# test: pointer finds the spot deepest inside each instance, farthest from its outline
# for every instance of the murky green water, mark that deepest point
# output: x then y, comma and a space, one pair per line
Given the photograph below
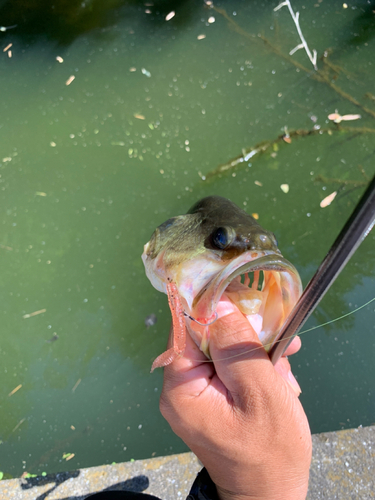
90, 169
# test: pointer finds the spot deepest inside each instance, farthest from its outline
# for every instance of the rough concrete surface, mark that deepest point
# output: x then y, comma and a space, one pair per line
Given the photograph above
343, 467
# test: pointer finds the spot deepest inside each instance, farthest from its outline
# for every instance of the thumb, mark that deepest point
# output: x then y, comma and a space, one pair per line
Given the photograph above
234, 343
236, 351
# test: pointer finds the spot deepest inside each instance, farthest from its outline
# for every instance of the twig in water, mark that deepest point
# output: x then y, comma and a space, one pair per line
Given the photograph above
319, 75
342, 182
303, 45
19, 423
260, 148
35, 313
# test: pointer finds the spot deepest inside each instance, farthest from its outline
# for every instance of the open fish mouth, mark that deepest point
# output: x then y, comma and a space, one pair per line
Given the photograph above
215, 254
262, 284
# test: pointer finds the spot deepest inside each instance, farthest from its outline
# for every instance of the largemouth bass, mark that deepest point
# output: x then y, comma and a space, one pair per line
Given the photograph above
215, 253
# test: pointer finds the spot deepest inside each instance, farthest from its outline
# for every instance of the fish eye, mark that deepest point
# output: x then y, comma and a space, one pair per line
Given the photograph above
222, 237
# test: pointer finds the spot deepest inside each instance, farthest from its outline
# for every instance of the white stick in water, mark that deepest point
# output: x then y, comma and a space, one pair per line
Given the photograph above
295, 16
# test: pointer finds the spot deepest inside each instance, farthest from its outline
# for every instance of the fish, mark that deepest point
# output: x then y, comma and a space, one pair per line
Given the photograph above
216, 253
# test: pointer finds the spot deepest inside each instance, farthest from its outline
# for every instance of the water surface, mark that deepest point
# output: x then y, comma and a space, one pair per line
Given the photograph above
90, 169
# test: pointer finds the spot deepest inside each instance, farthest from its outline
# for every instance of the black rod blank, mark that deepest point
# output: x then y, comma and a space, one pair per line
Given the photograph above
353, 233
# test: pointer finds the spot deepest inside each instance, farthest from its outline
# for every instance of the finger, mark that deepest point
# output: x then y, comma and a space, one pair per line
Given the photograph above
293, 347
283, 368
233, 343
232, 336
190, 373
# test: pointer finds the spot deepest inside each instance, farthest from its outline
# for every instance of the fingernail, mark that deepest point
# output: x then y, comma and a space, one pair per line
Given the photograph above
293, 382
224, 308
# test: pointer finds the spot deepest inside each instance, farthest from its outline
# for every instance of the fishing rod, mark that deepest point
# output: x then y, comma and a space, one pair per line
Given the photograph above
351, 236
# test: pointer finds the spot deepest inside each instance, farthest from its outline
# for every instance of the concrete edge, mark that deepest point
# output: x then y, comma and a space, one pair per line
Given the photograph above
343, 466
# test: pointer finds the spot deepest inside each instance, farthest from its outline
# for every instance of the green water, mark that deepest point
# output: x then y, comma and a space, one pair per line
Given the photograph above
84, 182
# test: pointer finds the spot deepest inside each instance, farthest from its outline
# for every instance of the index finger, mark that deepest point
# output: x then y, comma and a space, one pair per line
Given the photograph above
189, 374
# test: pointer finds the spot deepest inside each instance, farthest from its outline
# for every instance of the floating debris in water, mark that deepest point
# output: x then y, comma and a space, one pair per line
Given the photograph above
59, 59
68, 456
284, 188
140, 117
258, 183
19, 423
4, 28
7, 47
132, 69
70, 79
201, 37
15, 390
328, 199
76, 384
35, 313
150, 320
211, 20
40, 193
146, 73
27, 475
255, 215
170, 16
337, 118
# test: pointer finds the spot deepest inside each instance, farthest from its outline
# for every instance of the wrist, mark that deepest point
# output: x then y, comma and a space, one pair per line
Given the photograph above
205, 489
282, 493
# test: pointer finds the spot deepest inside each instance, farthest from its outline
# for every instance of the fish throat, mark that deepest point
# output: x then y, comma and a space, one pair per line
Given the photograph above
264, 289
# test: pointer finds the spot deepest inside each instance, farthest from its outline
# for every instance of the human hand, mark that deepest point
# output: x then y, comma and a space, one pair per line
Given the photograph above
240, 415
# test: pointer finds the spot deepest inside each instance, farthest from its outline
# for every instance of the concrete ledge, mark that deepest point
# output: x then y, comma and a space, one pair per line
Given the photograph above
343, 467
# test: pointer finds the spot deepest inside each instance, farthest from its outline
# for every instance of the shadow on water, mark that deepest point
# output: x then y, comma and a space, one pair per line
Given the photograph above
63, 21
363, 26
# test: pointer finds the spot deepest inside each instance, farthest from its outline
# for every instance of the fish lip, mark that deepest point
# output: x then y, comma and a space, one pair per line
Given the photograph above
207, 299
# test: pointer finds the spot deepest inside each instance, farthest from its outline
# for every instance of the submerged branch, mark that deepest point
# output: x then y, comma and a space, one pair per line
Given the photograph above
259, 38
320, 75
342, 182
255, 151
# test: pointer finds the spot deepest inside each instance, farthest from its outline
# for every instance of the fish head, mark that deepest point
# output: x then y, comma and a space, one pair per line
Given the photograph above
217, 252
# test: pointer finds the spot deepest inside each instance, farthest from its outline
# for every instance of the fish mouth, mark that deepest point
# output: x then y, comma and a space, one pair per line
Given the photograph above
262, 284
